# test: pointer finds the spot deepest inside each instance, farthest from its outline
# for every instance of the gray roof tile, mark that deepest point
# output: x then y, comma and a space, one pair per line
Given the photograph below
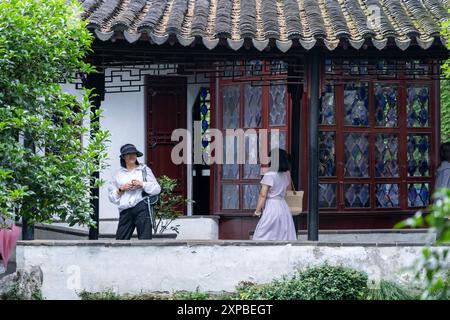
285, 21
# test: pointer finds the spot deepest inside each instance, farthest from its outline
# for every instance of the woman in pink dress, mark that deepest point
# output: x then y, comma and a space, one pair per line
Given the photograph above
276, 221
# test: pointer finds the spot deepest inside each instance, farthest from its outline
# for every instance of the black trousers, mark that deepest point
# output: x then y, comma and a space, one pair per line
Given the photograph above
135, 217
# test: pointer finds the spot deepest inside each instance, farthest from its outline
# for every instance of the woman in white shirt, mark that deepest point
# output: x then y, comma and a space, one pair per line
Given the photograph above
125, 190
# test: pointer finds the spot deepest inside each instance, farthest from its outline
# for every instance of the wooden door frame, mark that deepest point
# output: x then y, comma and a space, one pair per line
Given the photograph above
215, 190
147, 85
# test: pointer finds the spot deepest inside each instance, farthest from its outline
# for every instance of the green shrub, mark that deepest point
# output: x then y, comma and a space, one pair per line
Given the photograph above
388, 290
15, 293
105, 295
190, 295
317, 283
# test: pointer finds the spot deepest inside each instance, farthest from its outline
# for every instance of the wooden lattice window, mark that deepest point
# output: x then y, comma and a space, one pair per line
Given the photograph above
246, 102
377, 144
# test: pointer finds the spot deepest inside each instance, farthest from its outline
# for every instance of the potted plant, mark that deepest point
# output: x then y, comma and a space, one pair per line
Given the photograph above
167, 209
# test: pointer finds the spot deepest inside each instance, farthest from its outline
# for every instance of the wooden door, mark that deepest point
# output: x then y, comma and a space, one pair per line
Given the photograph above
165, 112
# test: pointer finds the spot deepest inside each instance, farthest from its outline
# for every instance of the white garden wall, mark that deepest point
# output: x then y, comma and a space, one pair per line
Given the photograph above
142, 266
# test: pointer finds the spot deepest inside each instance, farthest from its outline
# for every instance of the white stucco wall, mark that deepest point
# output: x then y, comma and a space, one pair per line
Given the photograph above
144, 266
124, 118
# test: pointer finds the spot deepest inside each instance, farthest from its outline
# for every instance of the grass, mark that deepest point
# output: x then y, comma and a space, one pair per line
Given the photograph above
388, 290
177, 295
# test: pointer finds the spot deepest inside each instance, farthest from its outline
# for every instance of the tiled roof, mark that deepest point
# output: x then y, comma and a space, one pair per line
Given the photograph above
285, 22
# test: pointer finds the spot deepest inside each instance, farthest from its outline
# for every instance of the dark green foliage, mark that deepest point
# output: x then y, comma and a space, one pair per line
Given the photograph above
318, 283
45, 168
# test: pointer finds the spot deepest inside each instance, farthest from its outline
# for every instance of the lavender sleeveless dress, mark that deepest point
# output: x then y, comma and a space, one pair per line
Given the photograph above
276, 220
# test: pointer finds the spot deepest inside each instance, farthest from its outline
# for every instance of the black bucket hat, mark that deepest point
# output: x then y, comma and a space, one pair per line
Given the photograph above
130, 148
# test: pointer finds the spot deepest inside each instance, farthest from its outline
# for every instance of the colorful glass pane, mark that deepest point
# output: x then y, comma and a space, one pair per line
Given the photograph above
252, 106
251, 194
327, 109
356, 104
417, 104
205, 115
230, 196
357, 195
327, 195
386, 155
356, 155
277, 105
418, 155
231, 95
327, 154
418, 195
387, 195
386, 105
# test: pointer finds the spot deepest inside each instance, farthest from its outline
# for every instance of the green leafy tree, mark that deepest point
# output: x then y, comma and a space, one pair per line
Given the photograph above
432, 269
45, 167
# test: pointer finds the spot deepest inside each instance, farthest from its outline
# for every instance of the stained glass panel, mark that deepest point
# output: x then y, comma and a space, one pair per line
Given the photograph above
356, 104
386, 105
356, 147
387, 195
205, 115
230, 167
277, 105
386, 155
357, 195
231, 96
251, 166
230, 196
327, 195
252, 106
418, 194
251, 194
418, 149
327, 154
417, 104
327, 109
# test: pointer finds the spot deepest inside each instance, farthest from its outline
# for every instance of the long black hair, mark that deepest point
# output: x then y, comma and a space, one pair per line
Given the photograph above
284, 160
445, 151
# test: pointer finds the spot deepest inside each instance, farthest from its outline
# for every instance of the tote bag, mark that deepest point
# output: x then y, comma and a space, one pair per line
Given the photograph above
294, 200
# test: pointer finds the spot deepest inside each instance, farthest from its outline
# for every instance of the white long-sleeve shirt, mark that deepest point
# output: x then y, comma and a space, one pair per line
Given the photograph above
130, 198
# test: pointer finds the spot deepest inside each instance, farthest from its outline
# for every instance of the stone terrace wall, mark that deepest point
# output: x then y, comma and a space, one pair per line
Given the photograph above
142, 266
